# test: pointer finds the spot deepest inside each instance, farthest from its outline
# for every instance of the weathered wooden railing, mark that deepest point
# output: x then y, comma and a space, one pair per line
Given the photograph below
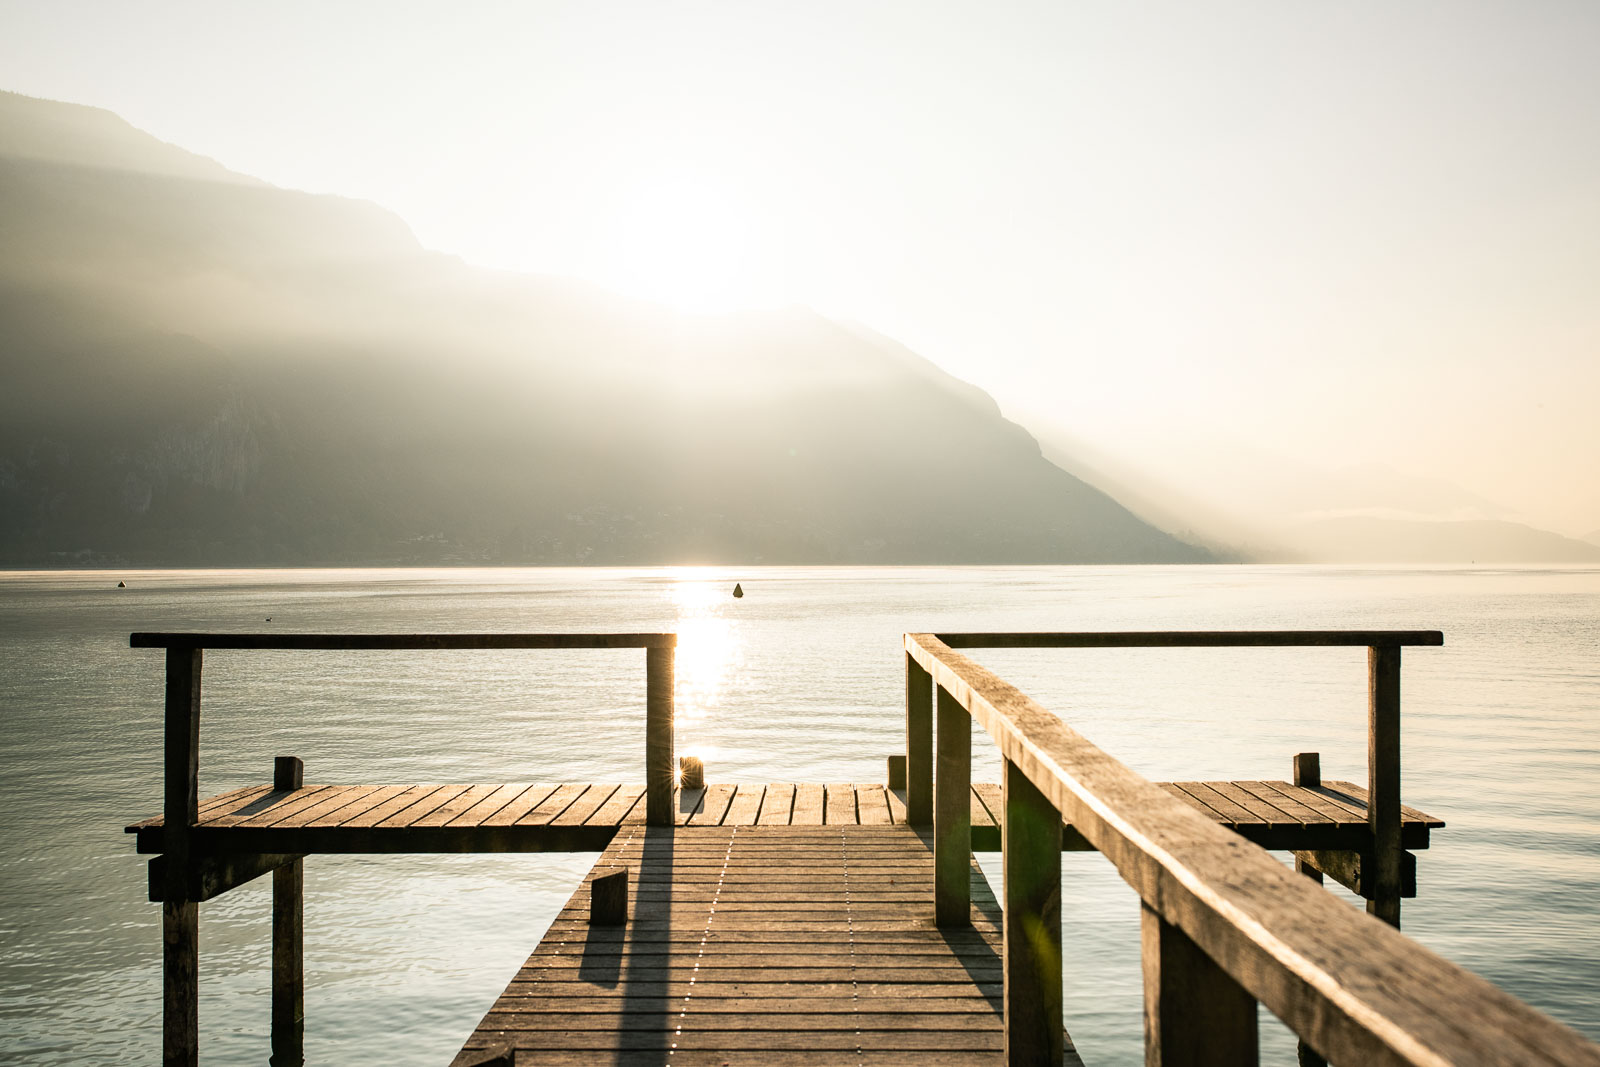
181, 870
1225, 925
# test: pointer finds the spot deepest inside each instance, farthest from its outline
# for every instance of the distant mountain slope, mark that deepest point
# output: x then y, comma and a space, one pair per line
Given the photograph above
1368, 540
205, 369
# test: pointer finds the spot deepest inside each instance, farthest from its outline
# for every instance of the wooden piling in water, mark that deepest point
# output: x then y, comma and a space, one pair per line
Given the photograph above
288, 939
180, 911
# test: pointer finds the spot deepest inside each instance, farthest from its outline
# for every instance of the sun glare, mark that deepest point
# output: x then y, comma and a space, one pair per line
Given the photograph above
682, 239
709, 647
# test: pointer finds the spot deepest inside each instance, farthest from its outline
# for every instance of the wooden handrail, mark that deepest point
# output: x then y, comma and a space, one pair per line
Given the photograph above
1383, 716
1194, 639
180, 905
1356, 990
339, 642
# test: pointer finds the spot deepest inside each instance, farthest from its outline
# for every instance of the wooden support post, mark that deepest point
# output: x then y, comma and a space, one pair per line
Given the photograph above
952, 815
180, 913
608, 897
919, 744
660, 764
288, 940
1308, 772
288, 966
1031, 856
1195, 1014
1383, 780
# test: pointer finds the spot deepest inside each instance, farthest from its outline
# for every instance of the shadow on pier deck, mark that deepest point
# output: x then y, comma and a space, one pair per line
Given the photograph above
757, 944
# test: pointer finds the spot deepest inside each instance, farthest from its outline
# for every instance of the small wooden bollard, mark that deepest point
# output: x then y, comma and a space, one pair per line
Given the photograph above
608, 897
897, 772
691, 772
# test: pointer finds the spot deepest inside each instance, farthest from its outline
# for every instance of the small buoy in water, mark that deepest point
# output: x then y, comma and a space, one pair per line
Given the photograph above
738, 590
122, 585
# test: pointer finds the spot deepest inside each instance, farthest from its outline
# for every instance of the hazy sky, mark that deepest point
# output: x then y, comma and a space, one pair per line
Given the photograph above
1333, 233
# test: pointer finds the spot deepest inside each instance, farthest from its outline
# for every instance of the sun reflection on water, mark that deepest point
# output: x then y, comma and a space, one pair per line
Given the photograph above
709, 647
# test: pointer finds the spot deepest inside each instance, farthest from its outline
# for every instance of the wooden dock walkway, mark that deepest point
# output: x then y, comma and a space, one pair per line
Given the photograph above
523, 817
759, 944
849, 923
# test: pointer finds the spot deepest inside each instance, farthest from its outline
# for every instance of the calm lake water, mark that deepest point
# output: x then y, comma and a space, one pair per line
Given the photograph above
801, 680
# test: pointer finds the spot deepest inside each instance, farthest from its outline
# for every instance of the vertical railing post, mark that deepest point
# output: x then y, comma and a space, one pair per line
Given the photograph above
1030, 846
952, 815
919, 744
1308, 773
1383, 780
180, 912
660, 762
288, 940
1195, 1014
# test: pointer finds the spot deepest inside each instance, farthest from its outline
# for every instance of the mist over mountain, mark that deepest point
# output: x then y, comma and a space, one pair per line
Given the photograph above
1243, 504
204, 369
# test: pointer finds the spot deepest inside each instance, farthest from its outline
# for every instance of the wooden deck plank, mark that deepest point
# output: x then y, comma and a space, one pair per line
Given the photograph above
1274, 814
872, 806
456, 806
593, 799
1231, 813
746, 807
1359, 795
1308, 816
210, 806
283, 806
409, 816
713, 806
808, 800
988, 808
746, 942
399, 802
839, 805
525, 802
1265, 810
897, 805
354, 810
490, 804
331, 808
1172, 790
551, 806
618, 808
689, 802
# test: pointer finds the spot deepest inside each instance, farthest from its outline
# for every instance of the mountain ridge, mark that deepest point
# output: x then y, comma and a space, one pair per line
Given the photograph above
223, 372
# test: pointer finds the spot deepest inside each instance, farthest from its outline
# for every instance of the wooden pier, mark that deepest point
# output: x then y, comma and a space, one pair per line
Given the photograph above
847, 923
